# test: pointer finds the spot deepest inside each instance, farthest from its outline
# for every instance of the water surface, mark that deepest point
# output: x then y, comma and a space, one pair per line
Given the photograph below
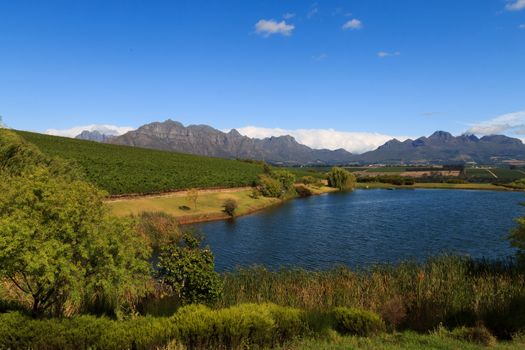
368, 226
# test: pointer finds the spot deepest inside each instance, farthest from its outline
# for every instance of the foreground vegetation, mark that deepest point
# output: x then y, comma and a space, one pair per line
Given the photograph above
72, 276
125, 170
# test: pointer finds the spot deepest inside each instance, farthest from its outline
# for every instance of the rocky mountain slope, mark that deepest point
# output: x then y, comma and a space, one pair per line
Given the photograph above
443, 148
205, 140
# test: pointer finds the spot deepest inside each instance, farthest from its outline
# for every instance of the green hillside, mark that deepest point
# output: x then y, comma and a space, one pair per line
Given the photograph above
122, 169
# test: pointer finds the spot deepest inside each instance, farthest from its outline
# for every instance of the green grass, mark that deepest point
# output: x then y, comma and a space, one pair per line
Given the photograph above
400, 341
122, 169
507, 174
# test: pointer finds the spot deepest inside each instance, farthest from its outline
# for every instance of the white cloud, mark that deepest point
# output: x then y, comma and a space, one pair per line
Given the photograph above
269, 27
353, 24
288, 15
355, 142
112, 130
513, 123
388, 54
515, 5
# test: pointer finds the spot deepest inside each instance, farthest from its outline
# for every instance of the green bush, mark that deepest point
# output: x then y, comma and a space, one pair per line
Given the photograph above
270, 187
240, 326
341, 179
357, 322
83, 332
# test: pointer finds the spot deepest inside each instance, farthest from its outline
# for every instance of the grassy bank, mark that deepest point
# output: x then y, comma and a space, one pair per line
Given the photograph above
449, 186
439, 340
209, 204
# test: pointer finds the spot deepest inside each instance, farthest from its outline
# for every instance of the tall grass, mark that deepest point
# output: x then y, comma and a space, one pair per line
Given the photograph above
446, 290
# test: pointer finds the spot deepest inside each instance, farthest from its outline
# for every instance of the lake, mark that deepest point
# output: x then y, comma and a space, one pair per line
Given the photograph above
366, 227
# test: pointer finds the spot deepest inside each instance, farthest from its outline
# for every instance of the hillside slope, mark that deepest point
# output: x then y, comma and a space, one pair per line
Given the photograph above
123, 170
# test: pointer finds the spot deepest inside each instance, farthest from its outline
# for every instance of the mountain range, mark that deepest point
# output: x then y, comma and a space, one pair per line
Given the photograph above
439, 148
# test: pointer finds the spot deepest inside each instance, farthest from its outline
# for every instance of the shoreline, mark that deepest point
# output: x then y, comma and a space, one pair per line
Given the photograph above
209, 207
210, 200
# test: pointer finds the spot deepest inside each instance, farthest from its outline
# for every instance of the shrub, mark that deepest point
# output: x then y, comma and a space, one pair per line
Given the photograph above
357, 322
286, 178
270, 187
189, 271
158, 228
184, 207
341, 179
240, 326
230, 205
478, 334
303, 191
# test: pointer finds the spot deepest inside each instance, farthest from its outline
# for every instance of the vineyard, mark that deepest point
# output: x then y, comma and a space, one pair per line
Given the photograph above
124, 170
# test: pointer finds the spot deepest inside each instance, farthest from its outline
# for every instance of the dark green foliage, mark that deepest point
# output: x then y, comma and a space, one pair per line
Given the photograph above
388, 179
341, 179
122, 169
189, 271
82, 332
517, 239
357, 322
230, 205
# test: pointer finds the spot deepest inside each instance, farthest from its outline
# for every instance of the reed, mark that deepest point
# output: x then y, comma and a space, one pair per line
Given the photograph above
449, 290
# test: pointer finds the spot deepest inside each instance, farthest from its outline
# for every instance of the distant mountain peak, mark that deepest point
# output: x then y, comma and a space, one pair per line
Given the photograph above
205, 140
94, 135
444, 135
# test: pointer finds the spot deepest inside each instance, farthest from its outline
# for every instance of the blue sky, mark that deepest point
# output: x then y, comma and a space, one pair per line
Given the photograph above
397, 68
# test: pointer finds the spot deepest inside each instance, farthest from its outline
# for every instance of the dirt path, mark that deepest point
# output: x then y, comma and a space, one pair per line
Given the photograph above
182, 193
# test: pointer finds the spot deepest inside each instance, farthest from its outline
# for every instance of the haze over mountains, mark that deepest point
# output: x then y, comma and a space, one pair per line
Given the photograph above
439, 148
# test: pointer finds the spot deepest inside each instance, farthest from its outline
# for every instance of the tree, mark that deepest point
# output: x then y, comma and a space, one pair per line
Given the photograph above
230, 205
193, 195
60, 247
517, 239
270, 187
189, 271
286, 178
341, 179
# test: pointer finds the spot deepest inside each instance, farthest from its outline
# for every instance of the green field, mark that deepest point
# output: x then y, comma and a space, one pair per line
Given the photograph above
123, 169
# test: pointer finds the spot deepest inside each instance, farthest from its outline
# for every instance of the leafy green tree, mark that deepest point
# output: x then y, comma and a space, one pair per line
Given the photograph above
341, 179
189, 271
286, 178
60, 247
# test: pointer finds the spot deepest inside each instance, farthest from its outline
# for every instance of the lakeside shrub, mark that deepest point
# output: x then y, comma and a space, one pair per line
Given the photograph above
478, 334
303, 191
158, 228
270, 187
357, 322
341, 179
230, 206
